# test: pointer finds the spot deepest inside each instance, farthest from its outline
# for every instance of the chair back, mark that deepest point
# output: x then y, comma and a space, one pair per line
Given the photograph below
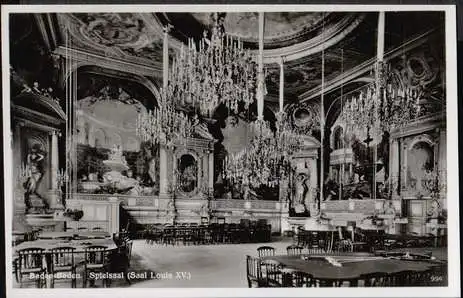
376, 279
253, 272
30, 259
95, 255
128, 247
62, 257
293, 278
271, 272
294, 250
265, 251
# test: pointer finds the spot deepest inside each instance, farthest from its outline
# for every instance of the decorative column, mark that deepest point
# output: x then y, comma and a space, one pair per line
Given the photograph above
55, 193
394, 164
113, 224
404, 165
211, 171
162, 172
19, 203
282, 84
163, 181
379, 87
54, 159
260, 74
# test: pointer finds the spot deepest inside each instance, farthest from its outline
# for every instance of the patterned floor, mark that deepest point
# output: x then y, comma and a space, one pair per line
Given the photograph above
196, 266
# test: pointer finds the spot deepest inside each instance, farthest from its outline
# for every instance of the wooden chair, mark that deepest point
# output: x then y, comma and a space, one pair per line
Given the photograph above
128, 250
295, 279
345, 245
376, 279
119, 261
168, 235
314, 242
271, 273
253, 272
62, 260
333, 282
31, 261
294, 250
265, 251
95, 261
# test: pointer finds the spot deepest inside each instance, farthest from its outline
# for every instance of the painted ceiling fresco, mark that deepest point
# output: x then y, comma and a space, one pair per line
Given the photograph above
137, 38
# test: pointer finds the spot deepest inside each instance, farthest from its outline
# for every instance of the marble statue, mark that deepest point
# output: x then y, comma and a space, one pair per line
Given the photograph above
300, 190
34, 160
204, 212
132, 184
152, 170
389, 208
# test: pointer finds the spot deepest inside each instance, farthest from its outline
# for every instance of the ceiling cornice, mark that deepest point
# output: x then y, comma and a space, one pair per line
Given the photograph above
82, 58
331, 36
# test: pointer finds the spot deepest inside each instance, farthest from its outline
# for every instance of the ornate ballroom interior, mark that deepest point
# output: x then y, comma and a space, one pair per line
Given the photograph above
315, 120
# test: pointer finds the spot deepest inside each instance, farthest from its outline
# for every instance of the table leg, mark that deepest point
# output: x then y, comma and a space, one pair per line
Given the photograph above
47, 259
332, 240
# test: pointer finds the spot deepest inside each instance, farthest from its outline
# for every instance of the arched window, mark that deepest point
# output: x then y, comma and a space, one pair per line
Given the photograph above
338, 138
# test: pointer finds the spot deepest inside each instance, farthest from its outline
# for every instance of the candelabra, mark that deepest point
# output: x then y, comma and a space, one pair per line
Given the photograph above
217, 70
62, 178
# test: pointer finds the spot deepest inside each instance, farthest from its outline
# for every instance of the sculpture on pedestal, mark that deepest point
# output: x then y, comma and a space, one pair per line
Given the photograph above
300, 190
33, 172
171, 213
204, 212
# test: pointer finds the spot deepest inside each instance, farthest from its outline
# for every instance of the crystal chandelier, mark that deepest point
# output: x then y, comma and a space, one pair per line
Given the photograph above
267, 158
216, 71
164, 125
390, 103
259, 163
288, 141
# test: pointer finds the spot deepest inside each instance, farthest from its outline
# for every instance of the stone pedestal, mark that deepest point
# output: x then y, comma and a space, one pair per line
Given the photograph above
55, 199
113, 215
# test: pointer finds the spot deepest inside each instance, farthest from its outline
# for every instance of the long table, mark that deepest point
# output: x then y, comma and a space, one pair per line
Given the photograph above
82, 235
79, 245
354, 265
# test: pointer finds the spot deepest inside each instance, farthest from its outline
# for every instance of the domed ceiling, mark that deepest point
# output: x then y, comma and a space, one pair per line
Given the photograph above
281, 28
347, 39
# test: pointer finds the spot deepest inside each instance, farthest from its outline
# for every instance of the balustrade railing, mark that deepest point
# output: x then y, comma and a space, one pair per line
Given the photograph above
155, 201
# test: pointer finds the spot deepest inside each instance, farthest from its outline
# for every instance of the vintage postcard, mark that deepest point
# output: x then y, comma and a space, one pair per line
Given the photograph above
230, 150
